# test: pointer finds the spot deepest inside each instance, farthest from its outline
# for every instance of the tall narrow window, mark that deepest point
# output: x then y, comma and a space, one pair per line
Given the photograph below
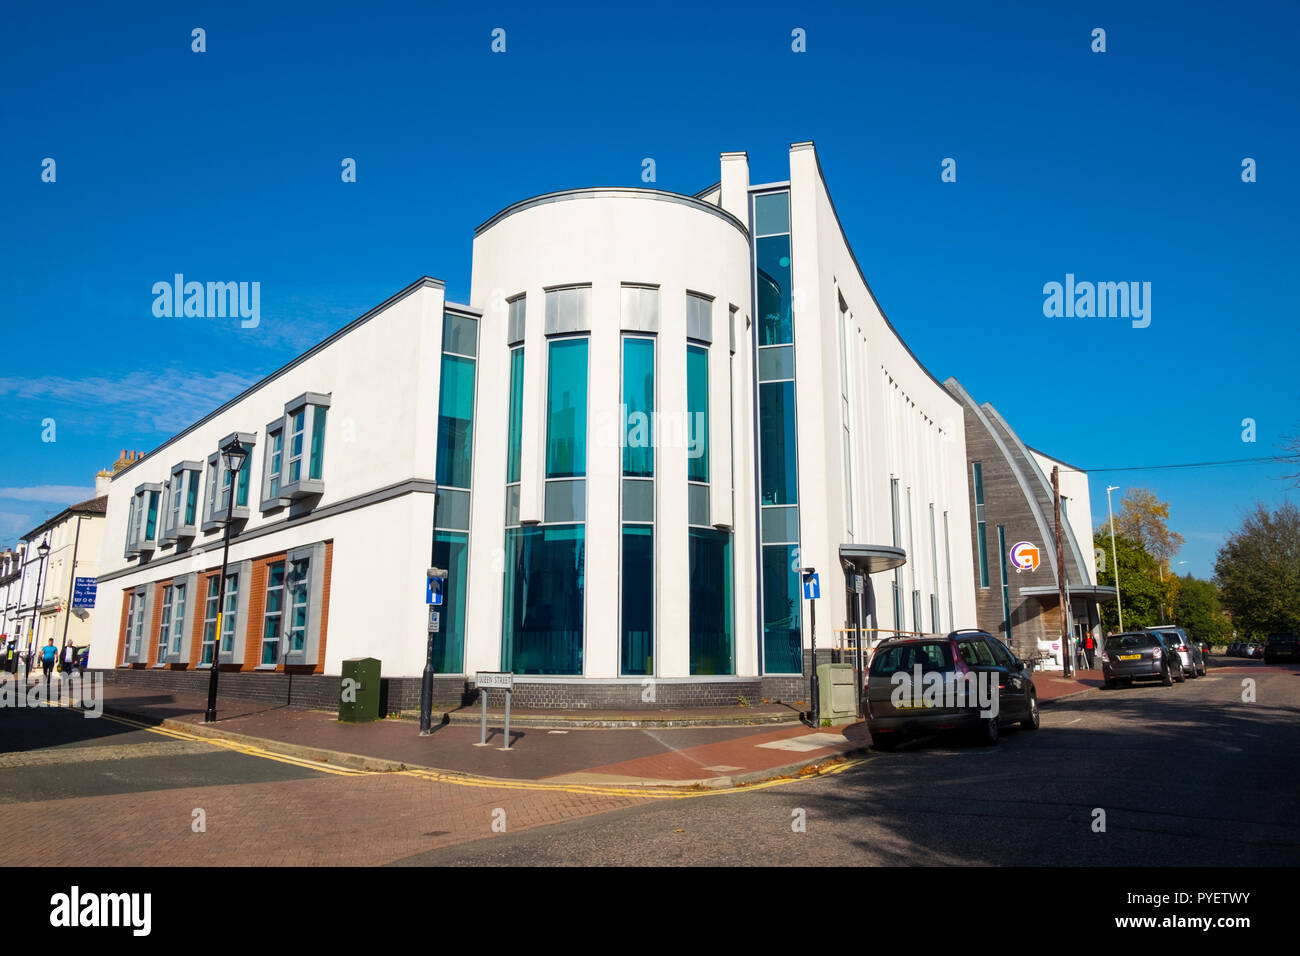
297, 429
637, 546
455, 422
165, 624
638, 406
273, 620
298, 600
451, 553
566, 409
515, 437
1006, 584
981, 533
210, 620
697, 408
178, 618
712, 647
545, 585
230, 614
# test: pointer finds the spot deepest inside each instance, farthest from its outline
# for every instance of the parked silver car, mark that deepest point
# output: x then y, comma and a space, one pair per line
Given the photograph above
1189, 651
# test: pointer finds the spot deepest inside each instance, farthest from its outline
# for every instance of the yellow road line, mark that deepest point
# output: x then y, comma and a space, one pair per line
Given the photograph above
470, 780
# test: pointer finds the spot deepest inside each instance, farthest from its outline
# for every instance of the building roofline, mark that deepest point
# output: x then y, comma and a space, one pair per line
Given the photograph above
420, 283
95, 507
614, 192
708, 189
1059, 461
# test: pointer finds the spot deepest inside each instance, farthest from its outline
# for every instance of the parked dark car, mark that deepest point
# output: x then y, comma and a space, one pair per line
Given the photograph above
1281, 647
1189, 652
1139, 655
893, 718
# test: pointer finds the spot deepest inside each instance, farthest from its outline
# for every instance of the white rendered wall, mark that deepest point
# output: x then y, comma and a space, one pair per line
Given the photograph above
606, 240
1078, 513
382, 378
903, 423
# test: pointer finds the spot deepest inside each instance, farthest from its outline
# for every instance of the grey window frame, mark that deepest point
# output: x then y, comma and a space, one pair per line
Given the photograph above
310, 654
267, 502
182, 475
304, 487
215, 516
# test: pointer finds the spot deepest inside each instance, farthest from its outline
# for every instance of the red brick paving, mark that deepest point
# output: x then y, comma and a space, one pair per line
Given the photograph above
321, 821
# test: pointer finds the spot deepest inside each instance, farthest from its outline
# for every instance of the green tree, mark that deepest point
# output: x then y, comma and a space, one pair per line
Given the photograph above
1199, 611
1140, 589
1144, 518
1258, 571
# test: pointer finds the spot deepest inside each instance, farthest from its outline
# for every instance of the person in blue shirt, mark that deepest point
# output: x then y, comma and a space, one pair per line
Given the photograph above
48, 653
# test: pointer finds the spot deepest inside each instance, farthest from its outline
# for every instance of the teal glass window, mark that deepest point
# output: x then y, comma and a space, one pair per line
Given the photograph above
566, 409
515, 437
776, 436
451, 552
273, 615
775, 323
981, 532
542, 620
712, 648
191, 496
455, 422
638, 406
241, 489
771, 214
638, 645
316, 460
151, 523
697, 408
782, 610
1006, 584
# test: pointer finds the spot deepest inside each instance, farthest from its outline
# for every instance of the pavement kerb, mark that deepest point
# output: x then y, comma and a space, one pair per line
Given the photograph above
1073, 693
381, 765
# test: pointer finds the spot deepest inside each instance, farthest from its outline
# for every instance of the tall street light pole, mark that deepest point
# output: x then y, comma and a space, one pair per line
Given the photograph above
235, 455
1114, 557
44, 551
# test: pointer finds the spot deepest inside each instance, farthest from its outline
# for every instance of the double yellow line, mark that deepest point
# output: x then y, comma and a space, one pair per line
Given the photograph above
495, 783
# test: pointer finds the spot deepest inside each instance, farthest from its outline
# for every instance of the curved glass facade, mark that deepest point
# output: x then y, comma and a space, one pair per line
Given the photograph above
544, 588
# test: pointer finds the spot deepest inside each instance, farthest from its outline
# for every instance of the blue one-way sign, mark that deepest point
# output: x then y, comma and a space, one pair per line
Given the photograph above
433, 592
812, 587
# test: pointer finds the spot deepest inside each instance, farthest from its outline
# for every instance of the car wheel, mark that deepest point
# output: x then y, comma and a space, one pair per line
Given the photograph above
1201, 672
987, 735
1110, 683
1031, 722
1179, 675
1168, 678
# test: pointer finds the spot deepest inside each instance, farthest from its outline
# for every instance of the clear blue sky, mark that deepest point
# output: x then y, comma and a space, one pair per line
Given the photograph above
225, 166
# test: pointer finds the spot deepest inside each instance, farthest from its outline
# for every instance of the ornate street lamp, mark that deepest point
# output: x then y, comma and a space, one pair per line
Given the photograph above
235, 455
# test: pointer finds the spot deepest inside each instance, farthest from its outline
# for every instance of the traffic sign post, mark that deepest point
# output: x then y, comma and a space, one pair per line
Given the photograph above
812, 590
435, 582
485, 680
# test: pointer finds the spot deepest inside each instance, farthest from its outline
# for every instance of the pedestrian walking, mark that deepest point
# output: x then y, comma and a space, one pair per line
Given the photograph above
48, 653
1090, 647
68, 658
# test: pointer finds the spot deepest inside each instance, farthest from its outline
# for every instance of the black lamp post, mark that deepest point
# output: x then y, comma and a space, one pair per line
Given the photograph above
44, 551
234, 454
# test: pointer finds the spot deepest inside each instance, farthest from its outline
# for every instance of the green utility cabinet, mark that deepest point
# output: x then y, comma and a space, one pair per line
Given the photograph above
359, 690
837, 697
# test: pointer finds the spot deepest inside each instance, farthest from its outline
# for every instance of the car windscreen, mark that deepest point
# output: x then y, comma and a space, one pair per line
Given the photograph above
1127, 642
905, 657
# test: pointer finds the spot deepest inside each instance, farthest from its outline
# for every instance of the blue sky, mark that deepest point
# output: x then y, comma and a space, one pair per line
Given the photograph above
1120, 166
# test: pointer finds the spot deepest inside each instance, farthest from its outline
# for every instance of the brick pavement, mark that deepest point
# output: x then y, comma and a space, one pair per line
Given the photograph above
321, 821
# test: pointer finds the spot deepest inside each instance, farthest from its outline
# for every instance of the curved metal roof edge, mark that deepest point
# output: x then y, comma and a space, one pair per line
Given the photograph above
608, 192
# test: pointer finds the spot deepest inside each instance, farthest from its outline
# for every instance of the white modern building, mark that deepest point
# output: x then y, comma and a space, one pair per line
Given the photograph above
655, 410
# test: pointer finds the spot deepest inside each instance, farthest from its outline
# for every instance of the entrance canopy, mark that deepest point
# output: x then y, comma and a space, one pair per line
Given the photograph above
872, 558
1094, 591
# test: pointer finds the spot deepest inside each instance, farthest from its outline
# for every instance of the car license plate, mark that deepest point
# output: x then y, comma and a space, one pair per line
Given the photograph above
1130, 657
